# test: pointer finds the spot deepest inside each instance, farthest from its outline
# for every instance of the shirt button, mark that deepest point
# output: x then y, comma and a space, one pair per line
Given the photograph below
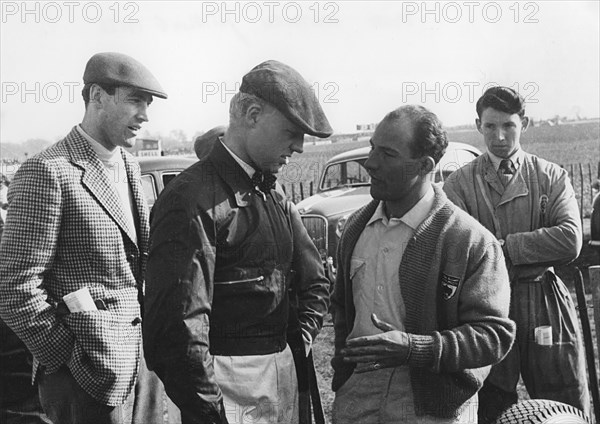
385, 250
379, 288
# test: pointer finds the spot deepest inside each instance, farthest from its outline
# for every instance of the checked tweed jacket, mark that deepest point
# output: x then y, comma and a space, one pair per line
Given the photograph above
66, 230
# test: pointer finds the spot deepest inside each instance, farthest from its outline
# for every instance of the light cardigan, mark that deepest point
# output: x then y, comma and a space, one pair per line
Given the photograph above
455, 335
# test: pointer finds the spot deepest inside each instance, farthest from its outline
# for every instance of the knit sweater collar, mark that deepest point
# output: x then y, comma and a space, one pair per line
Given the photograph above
362, 216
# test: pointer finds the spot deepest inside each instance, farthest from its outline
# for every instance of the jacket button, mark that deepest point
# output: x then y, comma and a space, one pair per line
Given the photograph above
136, 321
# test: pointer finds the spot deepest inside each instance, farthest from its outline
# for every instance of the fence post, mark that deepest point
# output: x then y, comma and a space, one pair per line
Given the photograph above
293, 193
594, 271
591, 183
571, 175
311, 187
587, 341
301, 191
582, 197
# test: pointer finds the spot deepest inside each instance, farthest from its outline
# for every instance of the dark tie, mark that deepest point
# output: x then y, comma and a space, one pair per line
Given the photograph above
263, 182
507, 167
506, 171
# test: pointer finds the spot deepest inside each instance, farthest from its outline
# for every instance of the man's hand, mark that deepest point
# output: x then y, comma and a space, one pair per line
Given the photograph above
388, 349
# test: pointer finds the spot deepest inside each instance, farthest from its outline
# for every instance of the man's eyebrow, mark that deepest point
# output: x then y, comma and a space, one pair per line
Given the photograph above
388, 149
142, 95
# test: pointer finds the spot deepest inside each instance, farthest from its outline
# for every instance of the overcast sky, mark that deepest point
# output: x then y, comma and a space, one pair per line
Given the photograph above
364, 58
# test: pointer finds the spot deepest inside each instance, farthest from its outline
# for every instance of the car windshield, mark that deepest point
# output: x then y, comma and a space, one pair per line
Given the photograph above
345, 174
352, 173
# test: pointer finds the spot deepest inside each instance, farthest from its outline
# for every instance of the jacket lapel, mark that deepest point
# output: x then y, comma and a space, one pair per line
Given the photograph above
515, 188
490, 176
96, 180
232, 173
133, 176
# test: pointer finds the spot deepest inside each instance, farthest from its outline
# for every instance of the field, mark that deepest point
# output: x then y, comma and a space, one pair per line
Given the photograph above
568, 145
565, 145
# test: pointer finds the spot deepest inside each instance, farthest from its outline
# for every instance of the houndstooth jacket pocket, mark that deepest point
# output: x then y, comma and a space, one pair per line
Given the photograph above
106, 355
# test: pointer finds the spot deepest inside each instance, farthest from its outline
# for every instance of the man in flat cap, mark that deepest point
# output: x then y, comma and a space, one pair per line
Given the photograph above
226, 249
73, 255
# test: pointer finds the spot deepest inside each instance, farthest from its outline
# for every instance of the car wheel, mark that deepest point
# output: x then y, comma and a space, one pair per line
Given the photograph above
542, 411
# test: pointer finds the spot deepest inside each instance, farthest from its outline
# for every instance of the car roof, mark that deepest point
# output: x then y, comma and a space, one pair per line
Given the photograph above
363, 152
159, 163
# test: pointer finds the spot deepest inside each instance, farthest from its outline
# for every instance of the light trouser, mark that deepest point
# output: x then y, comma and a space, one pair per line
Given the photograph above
553, 371
384, 396
259, 389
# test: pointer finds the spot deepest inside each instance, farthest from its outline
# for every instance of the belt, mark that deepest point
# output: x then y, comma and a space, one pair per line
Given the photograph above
249, 345
538, 279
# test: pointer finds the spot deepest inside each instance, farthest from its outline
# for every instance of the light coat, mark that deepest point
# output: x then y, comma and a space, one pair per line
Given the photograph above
537, 214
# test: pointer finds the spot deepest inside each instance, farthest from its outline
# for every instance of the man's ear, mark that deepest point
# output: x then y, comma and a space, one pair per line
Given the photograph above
478, 124
524, 123
253, 114
427, 165
96, 95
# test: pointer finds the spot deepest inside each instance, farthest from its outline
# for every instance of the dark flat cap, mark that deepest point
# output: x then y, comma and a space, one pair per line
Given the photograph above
120, 69
284, 88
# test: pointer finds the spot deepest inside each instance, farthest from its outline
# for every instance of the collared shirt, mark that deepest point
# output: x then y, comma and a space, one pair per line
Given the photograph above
516, 158
247, 168
115, 167
375, 264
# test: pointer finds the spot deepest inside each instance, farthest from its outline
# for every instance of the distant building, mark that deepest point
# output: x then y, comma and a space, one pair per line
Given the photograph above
365, 127
147, 147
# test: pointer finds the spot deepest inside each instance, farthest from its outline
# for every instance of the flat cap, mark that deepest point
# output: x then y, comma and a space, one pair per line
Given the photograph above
283, 87
120, 69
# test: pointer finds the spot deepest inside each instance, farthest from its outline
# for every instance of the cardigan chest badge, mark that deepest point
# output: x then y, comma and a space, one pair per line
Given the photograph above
449, 286
543, 203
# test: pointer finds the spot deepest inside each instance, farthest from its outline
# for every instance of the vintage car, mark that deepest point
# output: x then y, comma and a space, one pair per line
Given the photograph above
344, 187
158, 171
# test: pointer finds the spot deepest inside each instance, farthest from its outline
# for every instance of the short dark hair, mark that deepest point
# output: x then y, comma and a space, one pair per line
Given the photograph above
85, 92
429, 137
501, 98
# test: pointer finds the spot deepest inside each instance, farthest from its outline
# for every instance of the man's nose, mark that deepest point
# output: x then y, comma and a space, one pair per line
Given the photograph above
142, 113
370, 162
298, 145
